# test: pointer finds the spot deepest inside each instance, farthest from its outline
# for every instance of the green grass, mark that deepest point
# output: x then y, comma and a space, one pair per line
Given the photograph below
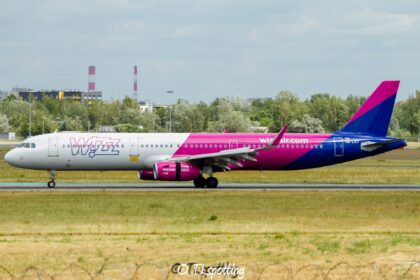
97, 230
51, 230
209, 212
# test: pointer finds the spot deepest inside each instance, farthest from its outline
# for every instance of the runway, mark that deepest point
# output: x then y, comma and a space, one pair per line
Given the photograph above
162, 187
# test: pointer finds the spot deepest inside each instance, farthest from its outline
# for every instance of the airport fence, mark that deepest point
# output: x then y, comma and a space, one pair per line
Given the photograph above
341, 270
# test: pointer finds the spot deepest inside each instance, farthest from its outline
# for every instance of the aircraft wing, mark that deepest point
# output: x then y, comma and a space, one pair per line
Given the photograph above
223, 158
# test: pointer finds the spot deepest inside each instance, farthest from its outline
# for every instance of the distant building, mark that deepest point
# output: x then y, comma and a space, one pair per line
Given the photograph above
160, 106
107, 128
7, 135
84, 97
146, 106
89, 96
16, 90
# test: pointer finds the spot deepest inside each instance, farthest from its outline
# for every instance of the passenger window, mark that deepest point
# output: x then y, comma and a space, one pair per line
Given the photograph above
33, 145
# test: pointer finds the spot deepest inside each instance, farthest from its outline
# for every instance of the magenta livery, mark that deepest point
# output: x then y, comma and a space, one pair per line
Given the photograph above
198, 156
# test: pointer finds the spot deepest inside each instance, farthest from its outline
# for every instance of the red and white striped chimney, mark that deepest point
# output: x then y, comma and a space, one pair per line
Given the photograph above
91, 83
135, 87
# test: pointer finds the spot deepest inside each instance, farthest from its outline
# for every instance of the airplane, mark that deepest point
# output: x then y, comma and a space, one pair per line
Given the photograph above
191, 156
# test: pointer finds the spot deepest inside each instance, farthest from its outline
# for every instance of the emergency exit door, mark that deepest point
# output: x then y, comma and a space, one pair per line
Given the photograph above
134, 147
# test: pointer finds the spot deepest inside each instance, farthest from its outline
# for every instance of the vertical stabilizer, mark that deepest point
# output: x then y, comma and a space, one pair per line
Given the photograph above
374, 115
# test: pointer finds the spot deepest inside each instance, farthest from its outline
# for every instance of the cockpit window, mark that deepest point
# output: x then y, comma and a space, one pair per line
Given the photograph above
26, 145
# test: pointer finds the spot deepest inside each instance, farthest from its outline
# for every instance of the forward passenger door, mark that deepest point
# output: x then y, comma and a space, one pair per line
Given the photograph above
53, 146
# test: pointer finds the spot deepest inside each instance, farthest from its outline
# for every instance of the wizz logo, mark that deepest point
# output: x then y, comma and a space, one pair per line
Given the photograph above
94, 146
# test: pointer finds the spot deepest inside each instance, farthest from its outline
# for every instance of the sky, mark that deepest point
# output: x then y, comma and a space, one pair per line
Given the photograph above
204, 49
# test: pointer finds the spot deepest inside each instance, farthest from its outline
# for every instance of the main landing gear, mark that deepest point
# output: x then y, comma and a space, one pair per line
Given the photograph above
53, 174
210, 182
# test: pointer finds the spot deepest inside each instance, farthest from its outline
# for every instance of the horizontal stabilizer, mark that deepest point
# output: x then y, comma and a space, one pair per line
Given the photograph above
370, 146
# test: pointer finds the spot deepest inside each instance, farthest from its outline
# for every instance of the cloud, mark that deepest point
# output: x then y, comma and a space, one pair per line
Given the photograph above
205, 49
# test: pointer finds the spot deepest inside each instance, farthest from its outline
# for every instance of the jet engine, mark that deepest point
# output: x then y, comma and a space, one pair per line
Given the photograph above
175, 171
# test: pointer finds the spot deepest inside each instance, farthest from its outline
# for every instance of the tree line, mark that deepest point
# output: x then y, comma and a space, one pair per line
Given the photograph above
321, 112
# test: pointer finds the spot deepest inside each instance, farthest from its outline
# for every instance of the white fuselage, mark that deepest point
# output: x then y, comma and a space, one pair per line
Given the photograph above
95, 151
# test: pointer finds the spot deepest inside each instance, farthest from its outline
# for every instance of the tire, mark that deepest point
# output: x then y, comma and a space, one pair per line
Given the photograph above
200, 182
51, 184
212, 182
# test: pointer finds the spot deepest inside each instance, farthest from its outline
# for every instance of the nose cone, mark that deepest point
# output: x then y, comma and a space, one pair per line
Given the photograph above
11, 157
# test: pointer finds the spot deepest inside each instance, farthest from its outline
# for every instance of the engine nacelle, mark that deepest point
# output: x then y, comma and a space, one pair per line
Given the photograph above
146, 174
175, 171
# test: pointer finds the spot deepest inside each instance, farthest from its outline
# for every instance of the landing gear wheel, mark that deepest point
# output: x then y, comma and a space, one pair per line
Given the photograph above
51, 184
211, 182
53, 175
200, 182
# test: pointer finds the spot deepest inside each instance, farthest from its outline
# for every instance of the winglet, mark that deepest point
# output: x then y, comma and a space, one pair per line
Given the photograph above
278, 137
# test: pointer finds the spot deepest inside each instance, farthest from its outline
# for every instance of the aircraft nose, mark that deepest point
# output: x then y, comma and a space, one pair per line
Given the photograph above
10, 157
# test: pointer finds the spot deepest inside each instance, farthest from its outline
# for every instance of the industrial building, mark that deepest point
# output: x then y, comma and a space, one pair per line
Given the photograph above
84, 97
81, 96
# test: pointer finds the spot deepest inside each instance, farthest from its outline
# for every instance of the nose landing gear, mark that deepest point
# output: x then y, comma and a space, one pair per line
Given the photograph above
53, 175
